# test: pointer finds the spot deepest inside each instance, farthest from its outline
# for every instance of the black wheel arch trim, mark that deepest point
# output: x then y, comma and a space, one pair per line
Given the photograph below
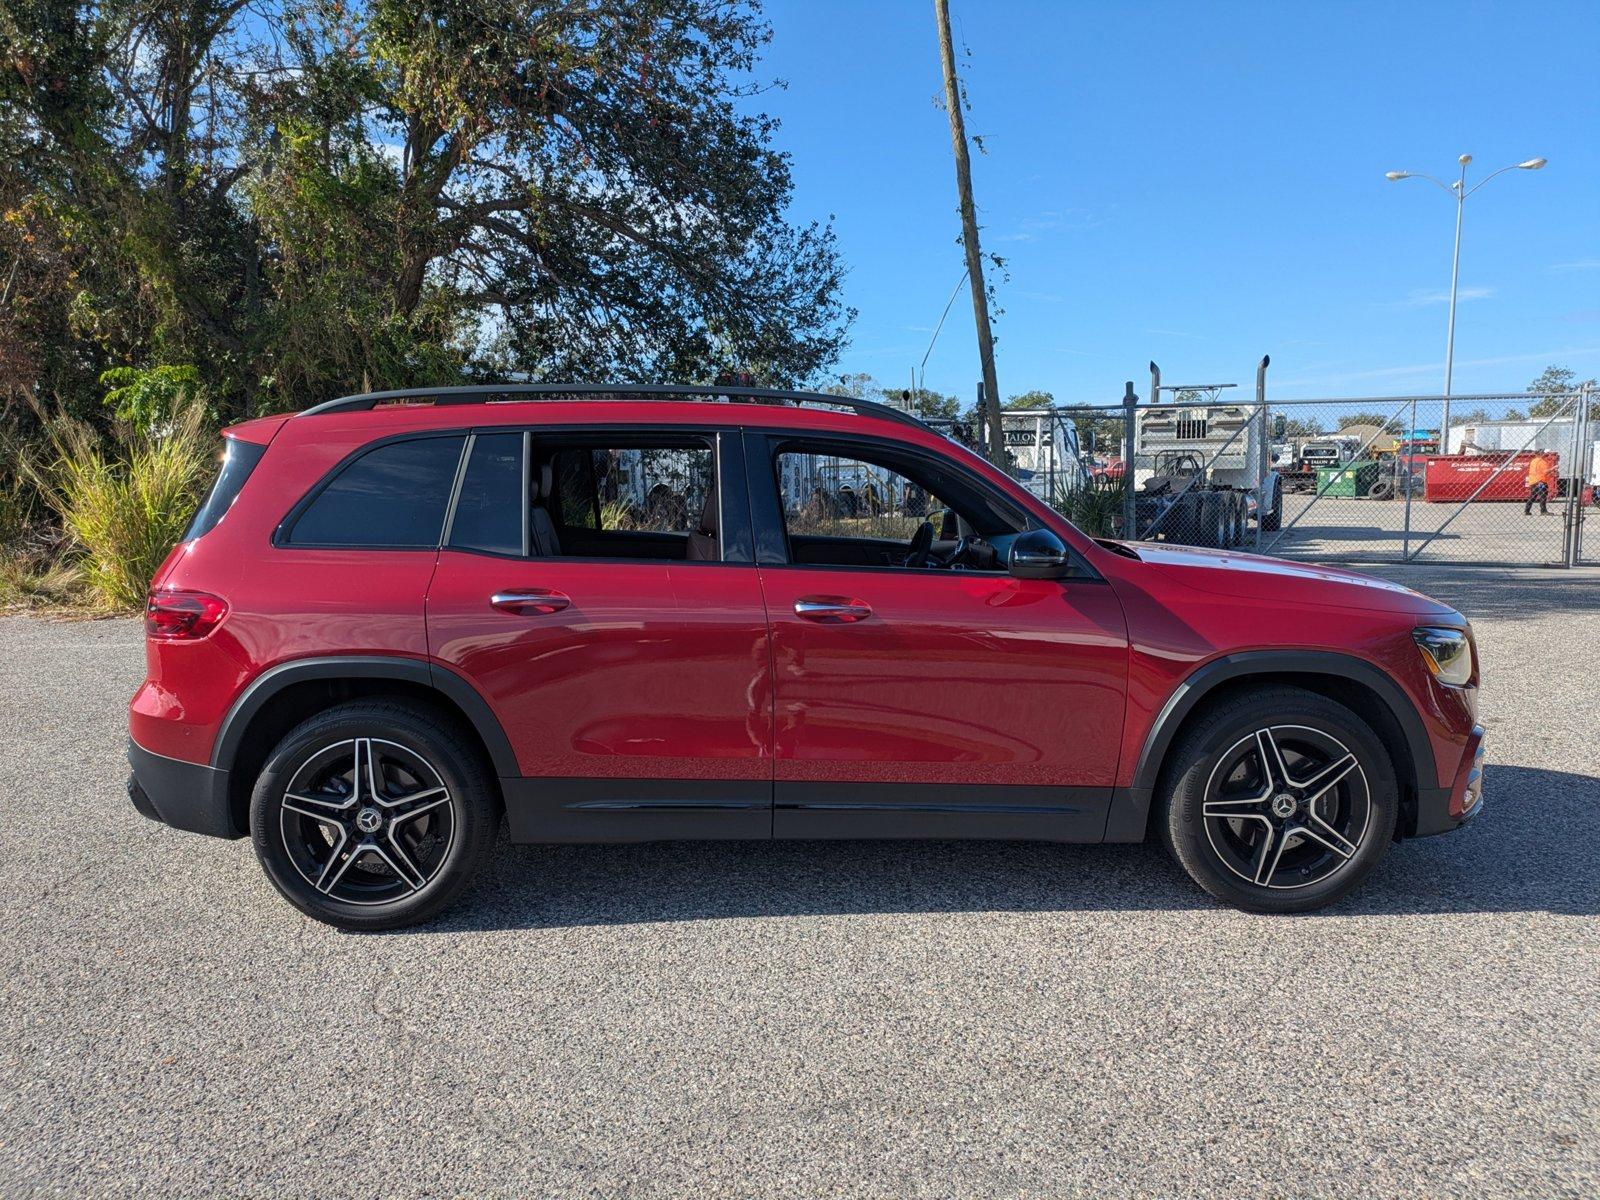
442, 679
1131, 808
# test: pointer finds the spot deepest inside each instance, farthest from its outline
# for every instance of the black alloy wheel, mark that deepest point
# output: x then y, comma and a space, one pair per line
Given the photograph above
1278, 799
373, 814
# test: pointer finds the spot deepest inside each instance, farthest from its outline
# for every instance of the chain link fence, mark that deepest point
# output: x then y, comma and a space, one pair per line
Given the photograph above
1503, 479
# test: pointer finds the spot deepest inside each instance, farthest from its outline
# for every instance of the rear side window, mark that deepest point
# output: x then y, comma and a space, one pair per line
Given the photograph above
392, 497
238, 460
488, 513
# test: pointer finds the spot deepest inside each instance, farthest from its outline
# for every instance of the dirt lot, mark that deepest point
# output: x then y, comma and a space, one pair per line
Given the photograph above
807, 1019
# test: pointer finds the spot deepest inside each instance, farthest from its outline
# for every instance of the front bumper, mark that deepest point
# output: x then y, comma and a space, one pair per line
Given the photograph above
185, 795
1439, 810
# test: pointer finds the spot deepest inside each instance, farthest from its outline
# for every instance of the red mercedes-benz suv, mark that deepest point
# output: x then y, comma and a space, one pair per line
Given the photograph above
635, 613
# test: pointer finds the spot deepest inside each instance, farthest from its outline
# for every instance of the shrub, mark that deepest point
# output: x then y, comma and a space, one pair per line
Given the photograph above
149, 398
1097, 510
125, 512
31, 581
617, 514
14, 508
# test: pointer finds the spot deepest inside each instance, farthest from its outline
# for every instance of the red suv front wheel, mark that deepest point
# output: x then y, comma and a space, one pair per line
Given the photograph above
1279, 800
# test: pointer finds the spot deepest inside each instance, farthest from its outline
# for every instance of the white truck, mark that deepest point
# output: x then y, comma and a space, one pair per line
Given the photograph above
1043, 444
1203, 472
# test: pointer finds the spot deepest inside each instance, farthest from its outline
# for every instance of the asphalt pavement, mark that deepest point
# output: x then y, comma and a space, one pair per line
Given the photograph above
813, 1019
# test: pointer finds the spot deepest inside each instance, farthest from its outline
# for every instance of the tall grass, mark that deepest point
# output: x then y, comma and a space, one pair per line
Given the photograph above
1097, 509
124, 512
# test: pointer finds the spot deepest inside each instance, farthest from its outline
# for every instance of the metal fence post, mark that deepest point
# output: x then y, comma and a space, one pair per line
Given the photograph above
1130, 521
1411, 458
1573, 550
1264, 448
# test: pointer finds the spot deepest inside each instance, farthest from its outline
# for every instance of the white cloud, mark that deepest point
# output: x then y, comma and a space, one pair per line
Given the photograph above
1579, 264
1423, 297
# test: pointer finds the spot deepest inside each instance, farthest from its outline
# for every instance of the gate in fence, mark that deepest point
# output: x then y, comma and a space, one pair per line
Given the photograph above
1504, 479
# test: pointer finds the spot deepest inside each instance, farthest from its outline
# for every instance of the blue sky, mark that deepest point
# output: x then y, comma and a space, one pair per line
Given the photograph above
1203, 183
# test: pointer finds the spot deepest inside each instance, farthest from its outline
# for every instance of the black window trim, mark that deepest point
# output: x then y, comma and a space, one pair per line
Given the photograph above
283, 534
728, 466
766, 505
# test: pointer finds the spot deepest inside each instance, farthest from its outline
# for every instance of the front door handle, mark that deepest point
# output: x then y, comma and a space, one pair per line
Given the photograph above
831, 608
534, 603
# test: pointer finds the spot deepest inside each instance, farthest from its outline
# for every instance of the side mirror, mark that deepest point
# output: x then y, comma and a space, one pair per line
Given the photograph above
1039, 554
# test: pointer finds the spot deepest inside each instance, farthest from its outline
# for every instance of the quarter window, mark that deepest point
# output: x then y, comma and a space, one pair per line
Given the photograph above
238, 460
392, 497
488, 513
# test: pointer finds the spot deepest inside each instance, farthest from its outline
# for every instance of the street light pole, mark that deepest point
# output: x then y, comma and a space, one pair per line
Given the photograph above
1459, 190
1450, 336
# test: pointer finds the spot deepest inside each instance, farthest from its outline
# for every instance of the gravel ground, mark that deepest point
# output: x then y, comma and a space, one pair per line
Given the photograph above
1336, 529
807, 1019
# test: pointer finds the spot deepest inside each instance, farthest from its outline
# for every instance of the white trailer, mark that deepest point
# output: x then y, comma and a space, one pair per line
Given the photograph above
1490, 437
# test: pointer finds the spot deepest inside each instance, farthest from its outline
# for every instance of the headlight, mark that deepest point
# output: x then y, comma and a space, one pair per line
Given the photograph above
1448, 653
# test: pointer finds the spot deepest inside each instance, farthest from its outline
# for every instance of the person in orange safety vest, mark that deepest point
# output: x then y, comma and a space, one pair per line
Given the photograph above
1542, 479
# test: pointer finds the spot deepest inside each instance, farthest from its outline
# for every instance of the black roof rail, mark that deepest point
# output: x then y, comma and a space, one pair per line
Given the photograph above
491, 392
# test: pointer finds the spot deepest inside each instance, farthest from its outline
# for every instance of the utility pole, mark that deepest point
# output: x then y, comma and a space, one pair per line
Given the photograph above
969, 235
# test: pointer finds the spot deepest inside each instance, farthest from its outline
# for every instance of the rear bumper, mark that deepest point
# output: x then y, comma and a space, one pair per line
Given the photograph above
185, 795
1439, 810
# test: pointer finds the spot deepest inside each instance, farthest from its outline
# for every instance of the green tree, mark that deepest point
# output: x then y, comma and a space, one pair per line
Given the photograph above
1302, 427
1031, 399
302, 197
149, 398
1385, 421
1553, 386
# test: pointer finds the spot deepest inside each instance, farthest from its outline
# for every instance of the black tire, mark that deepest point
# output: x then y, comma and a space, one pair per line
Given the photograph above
1382, 490
1239, 519
1220, 816
369, 858
1273, 520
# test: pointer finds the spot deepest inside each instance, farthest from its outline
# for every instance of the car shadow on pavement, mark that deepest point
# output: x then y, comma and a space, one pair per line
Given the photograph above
1536, 848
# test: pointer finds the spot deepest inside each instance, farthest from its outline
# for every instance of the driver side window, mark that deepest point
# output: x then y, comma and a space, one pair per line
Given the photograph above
844, 510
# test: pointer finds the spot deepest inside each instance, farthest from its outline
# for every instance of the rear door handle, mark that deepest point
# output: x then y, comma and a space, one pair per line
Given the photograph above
831, 609
533, 603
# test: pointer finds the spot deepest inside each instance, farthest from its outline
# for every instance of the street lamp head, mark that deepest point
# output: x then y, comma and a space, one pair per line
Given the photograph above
1397, 175
1464, 159
1533, 164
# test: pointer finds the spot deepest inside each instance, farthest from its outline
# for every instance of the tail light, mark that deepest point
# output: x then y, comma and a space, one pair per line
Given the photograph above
174, 616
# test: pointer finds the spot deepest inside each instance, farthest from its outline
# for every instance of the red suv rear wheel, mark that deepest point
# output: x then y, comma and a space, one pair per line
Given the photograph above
372, 814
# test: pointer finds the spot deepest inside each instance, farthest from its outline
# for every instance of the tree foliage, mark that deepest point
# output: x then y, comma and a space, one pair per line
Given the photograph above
930, 405
1302, 427
1388, 422
305, 197
1034, 398
1553, 387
